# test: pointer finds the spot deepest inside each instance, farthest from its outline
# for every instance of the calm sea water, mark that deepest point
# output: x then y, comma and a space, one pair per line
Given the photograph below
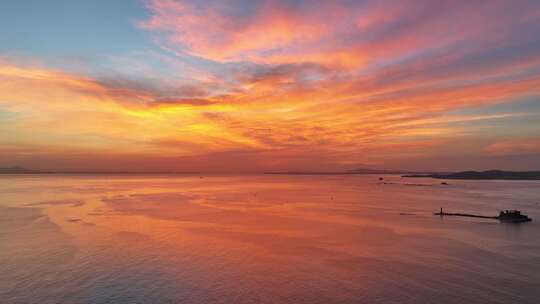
264, 239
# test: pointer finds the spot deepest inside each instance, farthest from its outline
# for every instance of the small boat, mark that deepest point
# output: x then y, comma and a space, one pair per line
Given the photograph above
513, 216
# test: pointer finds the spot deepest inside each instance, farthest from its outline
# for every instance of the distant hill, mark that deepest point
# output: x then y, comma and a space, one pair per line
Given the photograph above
485, 175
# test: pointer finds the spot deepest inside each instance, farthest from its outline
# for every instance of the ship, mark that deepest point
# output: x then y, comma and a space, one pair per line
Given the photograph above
506, 216
513, 216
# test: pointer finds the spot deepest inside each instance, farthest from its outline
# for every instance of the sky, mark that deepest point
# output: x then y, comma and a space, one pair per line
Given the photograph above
251, 86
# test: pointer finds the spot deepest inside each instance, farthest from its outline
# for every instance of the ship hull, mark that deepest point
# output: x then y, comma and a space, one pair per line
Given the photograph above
515, 220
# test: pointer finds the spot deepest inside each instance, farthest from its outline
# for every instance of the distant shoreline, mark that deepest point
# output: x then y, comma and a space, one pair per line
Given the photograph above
336, 173
465, 175
21, 170
191, 173
97, 173
483, 175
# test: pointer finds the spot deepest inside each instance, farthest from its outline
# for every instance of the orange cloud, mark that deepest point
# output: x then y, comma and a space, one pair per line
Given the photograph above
337, 122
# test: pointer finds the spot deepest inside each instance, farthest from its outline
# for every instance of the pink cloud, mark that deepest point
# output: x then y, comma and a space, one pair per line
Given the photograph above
333, 33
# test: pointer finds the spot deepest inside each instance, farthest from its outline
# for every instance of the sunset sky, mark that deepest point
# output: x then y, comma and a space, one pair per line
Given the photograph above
246, 86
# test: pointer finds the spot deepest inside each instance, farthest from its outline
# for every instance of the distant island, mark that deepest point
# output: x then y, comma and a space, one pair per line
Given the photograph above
486, 175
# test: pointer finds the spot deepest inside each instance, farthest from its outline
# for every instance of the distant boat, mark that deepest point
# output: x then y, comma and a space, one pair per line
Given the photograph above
513, 216
507, 216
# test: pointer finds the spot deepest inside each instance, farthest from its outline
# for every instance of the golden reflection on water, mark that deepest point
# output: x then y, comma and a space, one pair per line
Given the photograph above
262, 239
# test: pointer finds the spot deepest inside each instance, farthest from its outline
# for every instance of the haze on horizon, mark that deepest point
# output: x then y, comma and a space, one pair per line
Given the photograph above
154, 85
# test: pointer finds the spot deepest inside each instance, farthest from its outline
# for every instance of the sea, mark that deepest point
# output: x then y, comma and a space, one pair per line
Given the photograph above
265, 239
